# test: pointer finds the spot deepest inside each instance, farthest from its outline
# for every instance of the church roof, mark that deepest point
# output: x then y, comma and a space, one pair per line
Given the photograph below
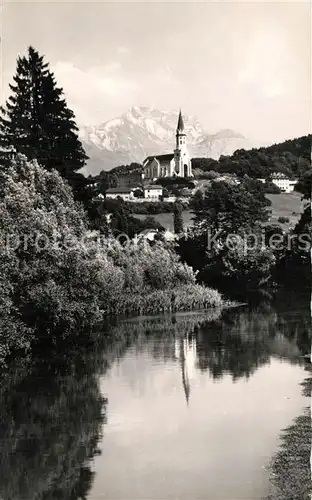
180, 127
160, 158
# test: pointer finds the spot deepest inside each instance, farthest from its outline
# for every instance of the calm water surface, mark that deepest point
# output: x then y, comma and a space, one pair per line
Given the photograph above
188, 407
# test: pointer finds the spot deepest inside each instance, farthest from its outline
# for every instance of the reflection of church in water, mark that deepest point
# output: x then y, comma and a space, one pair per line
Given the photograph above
185, 352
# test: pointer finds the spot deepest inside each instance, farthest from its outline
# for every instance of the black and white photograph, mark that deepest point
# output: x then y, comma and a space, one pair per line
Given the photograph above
155, 250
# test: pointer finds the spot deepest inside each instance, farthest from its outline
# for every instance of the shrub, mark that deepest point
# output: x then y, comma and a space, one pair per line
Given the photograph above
271, 188
183, 298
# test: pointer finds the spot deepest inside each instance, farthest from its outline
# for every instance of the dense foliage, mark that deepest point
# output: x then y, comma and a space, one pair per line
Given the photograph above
116, 216
292, 158
229, 207
294, 266
126, 169
141, 207
304, 184
59, 280
225, 245
101, 182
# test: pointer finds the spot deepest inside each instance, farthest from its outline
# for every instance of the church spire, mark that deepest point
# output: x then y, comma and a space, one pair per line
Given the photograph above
180, 127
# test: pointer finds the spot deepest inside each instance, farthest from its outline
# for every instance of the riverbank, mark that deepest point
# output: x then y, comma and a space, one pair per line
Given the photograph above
19, 337
290, 472
190, 297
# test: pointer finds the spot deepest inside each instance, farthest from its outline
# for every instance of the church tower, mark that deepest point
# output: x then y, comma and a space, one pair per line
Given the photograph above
182, 161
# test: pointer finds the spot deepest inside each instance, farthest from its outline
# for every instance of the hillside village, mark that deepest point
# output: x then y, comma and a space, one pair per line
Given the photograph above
148, 182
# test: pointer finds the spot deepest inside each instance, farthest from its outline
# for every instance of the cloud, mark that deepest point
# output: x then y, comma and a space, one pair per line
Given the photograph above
102, 92
95, 91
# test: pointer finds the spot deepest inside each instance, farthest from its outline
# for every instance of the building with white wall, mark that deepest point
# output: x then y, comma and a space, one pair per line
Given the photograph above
120, 192
177, 163
153, 192
283, 182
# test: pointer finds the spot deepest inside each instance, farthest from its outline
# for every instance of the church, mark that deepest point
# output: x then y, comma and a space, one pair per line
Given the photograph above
170, 165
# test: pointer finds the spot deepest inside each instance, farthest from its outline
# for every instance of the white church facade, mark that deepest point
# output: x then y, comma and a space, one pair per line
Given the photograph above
170, 165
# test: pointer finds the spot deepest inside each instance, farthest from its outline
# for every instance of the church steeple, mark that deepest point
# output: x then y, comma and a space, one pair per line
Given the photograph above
180, 135
180, 127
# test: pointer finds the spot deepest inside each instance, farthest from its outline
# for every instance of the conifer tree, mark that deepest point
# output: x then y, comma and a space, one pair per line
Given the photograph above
36, 121
177, 218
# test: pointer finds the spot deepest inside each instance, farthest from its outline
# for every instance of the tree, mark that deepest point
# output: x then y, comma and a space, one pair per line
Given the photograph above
225, 243
98, 216
230, 207
204, 164
46, 273
36, 121
104, 181
138, 193
295, 266
177, 218
304, 185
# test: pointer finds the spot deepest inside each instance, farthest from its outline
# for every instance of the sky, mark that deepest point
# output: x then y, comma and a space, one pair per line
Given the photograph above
239, 65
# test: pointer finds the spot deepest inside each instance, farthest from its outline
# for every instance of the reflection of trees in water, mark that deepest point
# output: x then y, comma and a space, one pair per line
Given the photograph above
242, 341
236, 343
51, 422
158, 334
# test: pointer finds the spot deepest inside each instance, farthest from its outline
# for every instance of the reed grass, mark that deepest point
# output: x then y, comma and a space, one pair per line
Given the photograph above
180, 299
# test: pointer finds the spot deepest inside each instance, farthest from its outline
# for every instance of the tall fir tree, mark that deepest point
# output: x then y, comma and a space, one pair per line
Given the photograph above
36, 121
177, 218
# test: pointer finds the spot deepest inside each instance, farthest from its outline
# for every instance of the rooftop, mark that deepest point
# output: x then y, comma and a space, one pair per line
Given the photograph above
153, 186
160, 158
279, 175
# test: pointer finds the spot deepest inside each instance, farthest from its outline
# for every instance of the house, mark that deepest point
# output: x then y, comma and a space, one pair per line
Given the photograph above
120, 192
285, 184
153, 192
177, 163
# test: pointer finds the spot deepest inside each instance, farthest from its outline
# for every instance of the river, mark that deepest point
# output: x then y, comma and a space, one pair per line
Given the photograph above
171, 407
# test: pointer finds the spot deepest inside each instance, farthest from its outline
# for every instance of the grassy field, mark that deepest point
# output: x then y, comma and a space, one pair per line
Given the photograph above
286, 205
283, 205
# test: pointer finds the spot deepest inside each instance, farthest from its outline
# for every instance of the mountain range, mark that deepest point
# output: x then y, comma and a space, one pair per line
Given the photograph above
143, 131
